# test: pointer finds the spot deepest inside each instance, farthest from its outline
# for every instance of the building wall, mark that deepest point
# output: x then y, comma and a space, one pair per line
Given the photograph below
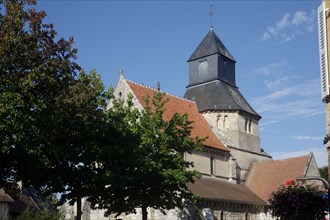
226, 69
203, 70
245, 158
223, 167
241, 130
312, 168
4, 211
195, 212
122, 90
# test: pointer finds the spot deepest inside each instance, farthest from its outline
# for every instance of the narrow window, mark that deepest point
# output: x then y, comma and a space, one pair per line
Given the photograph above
246, 124
219, 122
224, 125
250, 126
212, 165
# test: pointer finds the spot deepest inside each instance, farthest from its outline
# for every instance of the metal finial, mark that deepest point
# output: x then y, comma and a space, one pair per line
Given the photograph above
121, 71
158, 86
211, 13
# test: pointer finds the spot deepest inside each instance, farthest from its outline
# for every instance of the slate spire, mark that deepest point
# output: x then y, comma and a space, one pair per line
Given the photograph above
211, 44
212, 83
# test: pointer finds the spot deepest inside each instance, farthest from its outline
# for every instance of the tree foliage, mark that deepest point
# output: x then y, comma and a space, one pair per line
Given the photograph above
52, 113
298, 201
35, 71
146, 167
38, 215
324, 173
56, 135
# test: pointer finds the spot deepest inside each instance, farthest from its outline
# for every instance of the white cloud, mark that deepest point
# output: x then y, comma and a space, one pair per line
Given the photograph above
320, 154
283, 23
273, 69
287, 28
265, 36
307, 138
288, 100
277, 83
300, 17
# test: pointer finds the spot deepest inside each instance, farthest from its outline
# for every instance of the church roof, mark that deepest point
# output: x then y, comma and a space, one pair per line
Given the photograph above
201, 128
218, 95
264, 178
211, 44
4, 197
215, 189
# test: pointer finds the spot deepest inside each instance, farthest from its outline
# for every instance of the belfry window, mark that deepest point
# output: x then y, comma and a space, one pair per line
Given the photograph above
219, 122
224, 124
248, 125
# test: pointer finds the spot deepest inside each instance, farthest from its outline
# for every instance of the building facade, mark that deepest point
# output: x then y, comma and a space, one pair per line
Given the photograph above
237, 175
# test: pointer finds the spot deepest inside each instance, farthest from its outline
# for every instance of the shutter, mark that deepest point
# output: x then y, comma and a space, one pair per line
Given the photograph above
323, 51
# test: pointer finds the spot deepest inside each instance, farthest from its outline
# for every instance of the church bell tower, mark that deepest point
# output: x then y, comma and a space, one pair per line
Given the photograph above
212, 85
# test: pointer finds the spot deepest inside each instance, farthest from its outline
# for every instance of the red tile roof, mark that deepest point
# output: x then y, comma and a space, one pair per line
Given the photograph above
215, 189
201, 128
4, 197
265, 177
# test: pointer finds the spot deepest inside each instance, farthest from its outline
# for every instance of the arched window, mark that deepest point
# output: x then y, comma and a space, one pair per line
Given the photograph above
219, 122
246, 124
225, 123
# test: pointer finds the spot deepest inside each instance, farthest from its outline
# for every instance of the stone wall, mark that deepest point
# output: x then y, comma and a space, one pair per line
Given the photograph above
122, 90
242, 130
223, 167
245, 158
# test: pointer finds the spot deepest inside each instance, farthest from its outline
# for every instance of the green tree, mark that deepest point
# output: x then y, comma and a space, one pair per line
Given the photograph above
298, 201
73, 155
146, 166
39, 215
35, 70
324, 173
51, 113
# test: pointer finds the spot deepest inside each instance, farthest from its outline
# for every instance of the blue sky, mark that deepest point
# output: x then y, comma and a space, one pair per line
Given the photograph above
275, 44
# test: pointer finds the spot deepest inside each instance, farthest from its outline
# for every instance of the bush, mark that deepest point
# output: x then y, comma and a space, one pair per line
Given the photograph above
298, 201
33, 214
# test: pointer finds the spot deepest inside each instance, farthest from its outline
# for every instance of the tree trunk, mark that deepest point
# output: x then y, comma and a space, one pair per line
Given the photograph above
79, 208
144, 212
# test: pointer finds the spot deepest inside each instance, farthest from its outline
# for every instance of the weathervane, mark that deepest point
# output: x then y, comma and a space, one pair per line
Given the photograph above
211, 13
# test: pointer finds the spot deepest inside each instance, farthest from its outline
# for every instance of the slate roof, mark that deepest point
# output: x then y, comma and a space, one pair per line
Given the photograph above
215, 189
211, 44
201, 127
218, 95
265, 177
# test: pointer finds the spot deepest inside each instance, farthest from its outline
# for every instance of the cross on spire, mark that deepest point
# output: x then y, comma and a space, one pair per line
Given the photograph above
211, 13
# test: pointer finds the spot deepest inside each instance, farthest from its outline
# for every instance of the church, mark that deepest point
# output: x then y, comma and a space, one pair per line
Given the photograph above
237, 175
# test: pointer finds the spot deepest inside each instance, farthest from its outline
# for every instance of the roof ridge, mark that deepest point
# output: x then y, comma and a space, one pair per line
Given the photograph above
280, 160
156, 90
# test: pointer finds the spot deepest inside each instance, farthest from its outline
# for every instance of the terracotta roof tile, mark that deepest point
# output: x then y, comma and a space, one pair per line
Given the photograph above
265, 177
215, 189
22, 203
201, 128
4, 197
